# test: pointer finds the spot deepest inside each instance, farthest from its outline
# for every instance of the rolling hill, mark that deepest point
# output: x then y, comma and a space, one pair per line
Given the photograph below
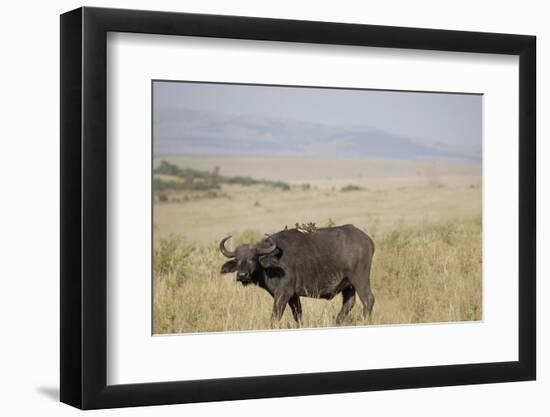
186, 131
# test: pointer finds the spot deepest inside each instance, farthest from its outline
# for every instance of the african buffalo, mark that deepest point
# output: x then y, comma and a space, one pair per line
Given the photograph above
321, 264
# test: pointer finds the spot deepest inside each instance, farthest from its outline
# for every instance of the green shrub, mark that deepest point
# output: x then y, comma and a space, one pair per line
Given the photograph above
351, 187
167, 169
247, 236
171, 257
330, 222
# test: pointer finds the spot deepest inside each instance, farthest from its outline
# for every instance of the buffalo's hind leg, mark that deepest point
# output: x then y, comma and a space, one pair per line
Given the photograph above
296, 308
348, 301
367, 299
364, 292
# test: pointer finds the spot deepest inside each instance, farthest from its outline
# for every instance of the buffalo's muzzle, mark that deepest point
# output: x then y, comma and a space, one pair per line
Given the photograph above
244, 278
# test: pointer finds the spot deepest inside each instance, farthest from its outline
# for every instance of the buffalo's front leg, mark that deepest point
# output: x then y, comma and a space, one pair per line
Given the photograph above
279, 304
296, 308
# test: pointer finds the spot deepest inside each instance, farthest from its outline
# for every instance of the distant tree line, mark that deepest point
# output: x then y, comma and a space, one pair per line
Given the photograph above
198, 180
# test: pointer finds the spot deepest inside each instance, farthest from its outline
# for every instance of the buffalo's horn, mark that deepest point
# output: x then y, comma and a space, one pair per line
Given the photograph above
223, 249
269, 249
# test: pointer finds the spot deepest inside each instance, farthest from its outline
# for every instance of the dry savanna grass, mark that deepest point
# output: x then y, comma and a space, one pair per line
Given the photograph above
424, 216
421, 274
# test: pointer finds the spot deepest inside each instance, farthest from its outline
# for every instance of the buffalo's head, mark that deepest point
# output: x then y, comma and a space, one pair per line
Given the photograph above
248, 259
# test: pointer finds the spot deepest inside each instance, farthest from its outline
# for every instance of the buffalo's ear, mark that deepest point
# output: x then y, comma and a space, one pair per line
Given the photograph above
229, 266
272, 265
269, 261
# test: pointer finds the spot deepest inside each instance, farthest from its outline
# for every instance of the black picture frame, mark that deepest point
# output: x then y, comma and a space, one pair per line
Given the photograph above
84, 207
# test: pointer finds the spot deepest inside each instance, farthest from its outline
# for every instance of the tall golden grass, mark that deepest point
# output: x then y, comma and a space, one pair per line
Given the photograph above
421, 274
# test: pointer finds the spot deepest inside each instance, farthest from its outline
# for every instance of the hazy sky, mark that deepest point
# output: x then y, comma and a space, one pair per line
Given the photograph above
452, 119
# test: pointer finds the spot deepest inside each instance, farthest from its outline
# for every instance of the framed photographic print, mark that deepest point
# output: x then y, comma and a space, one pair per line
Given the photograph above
257, 207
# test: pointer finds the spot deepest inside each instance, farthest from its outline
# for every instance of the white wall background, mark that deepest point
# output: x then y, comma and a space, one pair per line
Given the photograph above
29, 225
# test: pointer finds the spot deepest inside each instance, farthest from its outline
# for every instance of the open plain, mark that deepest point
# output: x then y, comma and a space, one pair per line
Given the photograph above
424, 216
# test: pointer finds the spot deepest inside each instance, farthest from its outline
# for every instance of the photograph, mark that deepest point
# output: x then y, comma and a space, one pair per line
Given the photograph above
294, 207
286, 206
